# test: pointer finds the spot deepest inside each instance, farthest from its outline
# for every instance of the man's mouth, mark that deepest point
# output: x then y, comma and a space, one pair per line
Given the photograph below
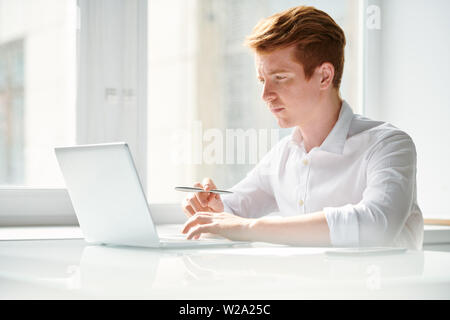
276, 110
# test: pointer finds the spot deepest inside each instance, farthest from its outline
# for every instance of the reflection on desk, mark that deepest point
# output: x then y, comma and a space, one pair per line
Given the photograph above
72, 269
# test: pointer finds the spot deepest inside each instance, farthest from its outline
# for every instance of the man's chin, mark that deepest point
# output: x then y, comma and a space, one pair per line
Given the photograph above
284, 124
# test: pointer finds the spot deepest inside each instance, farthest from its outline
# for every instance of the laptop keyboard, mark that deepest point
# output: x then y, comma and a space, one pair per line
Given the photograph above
182, 237
174, 236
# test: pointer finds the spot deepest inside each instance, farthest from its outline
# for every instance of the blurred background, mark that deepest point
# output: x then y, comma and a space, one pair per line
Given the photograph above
172, 78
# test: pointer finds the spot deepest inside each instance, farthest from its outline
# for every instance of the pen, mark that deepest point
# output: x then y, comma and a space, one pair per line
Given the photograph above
195, 189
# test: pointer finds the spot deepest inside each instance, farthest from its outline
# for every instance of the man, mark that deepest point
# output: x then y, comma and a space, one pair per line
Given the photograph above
340, 179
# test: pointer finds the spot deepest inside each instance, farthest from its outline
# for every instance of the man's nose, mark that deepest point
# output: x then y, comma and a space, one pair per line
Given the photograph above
268, 94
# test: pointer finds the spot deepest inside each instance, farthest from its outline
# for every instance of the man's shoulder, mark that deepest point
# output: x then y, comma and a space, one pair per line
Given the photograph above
381, 138
377, 130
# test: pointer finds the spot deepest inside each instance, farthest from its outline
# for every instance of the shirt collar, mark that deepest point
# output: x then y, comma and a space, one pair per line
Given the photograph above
335, 140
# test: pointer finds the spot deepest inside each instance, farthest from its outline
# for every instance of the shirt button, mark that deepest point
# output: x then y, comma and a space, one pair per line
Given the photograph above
305, 162
300, 202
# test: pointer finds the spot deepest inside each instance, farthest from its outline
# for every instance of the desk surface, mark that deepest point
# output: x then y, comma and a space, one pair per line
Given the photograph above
72, 269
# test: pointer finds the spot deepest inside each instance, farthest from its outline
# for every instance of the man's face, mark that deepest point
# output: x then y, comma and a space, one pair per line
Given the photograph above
289, 96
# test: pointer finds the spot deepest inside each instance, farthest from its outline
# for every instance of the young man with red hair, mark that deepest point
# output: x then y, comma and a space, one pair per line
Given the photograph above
340, 179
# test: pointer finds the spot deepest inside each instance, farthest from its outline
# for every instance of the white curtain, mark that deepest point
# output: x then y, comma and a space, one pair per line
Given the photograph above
112, 75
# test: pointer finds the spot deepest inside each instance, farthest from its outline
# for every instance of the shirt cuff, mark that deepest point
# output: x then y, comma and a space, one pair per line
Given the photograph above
343, 225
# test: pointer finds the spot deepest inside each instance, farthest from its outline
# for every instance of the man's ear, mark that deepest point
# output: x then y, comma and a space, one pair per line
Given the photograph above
326, 71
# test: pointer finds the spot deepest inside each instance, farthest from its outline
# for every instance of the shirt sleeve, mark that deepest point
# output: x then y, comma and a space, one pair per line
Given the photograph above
386, 202
253, 196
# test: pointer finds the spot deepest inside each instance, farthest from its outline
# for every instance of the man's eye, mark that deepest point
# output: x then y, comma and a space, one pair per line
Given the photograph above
280, 77
261, 80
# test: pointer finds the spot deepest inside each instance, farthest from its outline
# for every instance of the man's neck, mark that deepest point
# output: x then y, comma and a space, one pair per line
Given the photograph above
315, 132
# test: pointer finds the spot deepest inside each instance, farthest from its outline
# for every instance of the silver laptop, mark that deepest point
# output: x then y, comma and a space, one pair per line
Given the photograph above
109, 201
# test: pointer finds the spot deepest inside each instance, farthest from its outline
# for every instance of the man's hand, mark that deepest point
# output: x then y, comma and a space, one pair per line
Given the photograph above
224, 224
202, 201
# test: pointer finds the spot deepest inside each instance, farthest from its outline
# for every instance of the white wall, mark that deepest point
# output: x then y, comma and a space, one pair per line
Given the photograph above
413, 89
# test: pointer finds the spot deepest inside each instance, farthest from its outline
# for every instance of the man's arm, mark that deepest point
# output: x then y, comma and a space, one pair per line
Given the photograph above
386, 201
310, 229
253, 196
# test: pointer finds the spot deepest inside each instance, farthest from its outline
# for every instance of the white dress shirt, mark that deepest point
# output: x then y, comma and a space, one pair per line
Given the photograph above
363, 177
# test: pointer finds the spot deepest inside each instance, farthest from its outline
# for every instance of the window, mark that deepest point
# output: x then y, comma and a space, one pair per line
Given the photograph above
37, 108
201, 89
37, 89
11, 112
172, 78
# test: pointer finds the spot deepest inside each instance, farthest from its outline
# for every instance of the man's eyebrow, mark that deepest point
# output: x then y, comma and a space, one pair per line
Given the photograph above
279, 71
274, 72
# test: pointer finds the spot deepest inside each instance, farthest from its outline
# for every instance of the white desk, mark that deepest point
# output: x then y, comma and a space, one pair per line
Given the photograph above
71, 269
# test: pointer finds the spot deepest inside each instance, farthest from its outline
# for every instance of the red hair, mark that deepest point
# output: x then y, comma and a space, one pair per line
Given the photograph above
317, 37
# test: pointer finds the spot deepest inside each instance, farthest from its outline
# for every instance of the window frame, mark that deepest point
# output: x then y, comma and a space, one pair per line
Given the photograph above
27, 206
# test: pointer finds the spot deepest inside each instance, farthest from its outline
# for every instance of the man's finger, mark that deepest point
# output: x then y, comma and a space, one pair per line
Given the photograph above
198, 230
202, 197
194, 204
188, 210
208, 184
213, 197
196, 219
